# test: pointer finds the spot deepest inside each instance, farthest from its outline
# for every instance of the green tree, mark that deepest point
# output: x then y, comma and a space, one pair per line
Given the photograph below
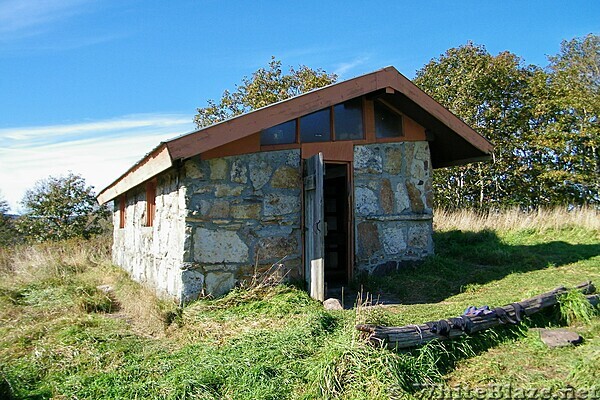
491, 94
572, 134
60, 208
8, 233
266, 86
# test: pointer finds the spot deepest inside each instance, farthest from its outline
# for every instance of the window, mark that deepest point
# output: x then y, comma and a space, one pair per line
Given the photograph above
122, 208
150, 202
388, 122
316, 127
279, 134
348, 120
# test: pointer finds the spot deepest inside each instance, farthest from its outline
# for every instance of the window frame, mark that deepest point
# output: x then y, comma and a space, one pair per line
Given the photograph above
394, 110
150, 202
332, 134
122, 211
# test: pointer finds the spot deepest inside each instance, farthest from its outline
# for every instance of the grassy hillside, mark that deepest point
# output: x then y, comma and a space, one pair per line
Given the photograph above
62, 337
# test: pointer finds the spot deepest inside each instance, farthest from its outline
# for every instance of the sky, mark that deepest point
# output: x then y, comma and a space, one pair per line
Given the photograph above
91, 86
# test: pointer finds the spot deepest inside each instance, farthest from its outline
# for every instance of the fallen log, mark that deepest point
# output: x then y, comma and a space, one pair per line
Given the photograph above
415, 335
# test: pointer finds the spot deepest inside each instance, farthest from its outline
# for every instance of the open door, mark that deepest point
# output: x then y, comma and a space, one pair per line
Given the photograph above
314, 227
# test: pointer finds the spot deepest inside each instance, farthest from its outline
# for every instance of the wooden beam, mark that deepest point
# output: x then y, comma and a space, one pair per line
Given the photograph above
283, 111
154, 163
416, 335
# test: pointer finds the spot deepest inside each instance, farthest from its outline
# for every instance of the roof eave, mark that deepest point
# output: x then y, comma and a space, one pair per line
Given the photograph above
197, 142
153, 163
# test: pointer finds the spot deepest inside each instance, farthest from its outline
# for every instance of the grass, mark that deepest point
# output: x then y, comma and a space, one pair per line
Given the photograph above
63, 337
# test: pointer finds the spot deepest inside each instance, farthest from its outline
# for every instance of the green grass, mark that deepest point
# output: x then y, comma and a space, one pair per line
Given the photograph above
61, 337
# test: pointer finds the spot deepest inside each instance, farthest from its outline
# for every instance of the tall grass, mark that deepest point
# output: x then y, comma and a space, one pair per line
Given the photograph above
32, 261
516, 219
62, 337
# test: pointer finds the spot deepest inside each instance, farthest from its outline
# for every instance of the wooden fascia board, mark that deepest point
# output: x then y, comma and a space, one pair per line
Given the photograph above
388, 78
154, 163
237, 128
255, 121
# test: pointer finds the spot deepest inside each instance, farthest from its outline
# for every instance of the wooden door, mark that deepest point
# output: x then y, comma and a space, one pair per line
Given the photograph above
314, 227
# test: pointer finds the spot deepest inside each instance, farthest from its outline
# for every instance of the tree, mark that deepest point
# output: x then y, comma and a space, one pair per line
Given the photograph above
61, 208
266, 86
573, 132
8, 234
491, 94
543, 123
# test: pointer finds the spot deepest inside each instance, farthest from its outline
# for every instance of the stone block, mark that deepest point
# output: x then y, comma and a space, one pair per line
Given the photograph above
332, 304
219, 209
421, 151
218, 168
219, 283
275, 204
260, 173
560, 337
239, 172
367, 239
393, 160
192, 170
228, 190
417, 170
419, 237
192, 284
414, 194
401, 198
367, 160
286, 178
293, 158
246, 211
219, 246
428, 195
394, 241
366, 201
275, 248
386, 196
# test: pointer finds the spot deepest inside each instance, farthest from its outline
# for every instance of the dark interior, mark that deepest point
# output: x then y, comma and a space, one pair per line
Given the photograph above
336, 222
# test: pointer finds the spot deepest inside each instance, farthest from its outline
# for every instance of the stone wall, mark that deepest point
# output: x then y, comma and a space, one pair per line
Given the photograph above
393, 205
242, 211
153, 255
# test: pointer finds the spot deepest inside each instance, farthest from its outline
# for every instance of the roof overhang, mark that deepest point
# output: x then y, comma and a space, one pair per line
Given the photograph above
453, 141
155, 162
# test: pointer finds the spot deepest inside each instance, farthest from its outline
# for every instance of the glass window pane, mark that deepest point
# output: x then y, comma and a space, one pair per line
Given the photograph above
315, 127
348, 120
388, 123
279, 134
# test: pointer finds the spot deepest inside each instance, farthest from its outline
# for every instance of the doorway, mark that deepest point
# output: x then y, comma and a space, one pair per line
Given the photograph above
336, 201
327, 204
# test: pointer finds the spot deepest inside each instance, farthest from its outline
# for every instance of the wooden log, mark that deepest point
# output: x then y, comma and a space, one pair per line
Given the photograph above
416, 335
594, 299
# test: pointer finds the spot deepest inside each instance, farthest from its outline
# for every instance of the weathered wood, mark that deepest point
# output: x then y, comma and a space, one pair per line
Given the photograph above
416, 335
314, 236
157, 161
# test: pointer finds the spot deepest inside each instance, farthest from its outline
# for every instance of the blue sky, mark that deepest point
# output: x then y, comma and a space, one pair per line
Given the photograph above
91, 86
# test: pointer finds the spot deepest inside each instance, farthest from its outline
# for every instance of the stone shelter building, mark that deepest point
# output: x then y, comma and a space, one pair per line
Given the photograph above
335, 182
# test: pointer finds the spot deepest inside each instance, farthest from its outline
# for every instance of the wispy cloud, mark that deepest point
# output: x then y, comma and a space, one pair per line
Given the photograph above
40, 135
345, 67
100, 150
22, 18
